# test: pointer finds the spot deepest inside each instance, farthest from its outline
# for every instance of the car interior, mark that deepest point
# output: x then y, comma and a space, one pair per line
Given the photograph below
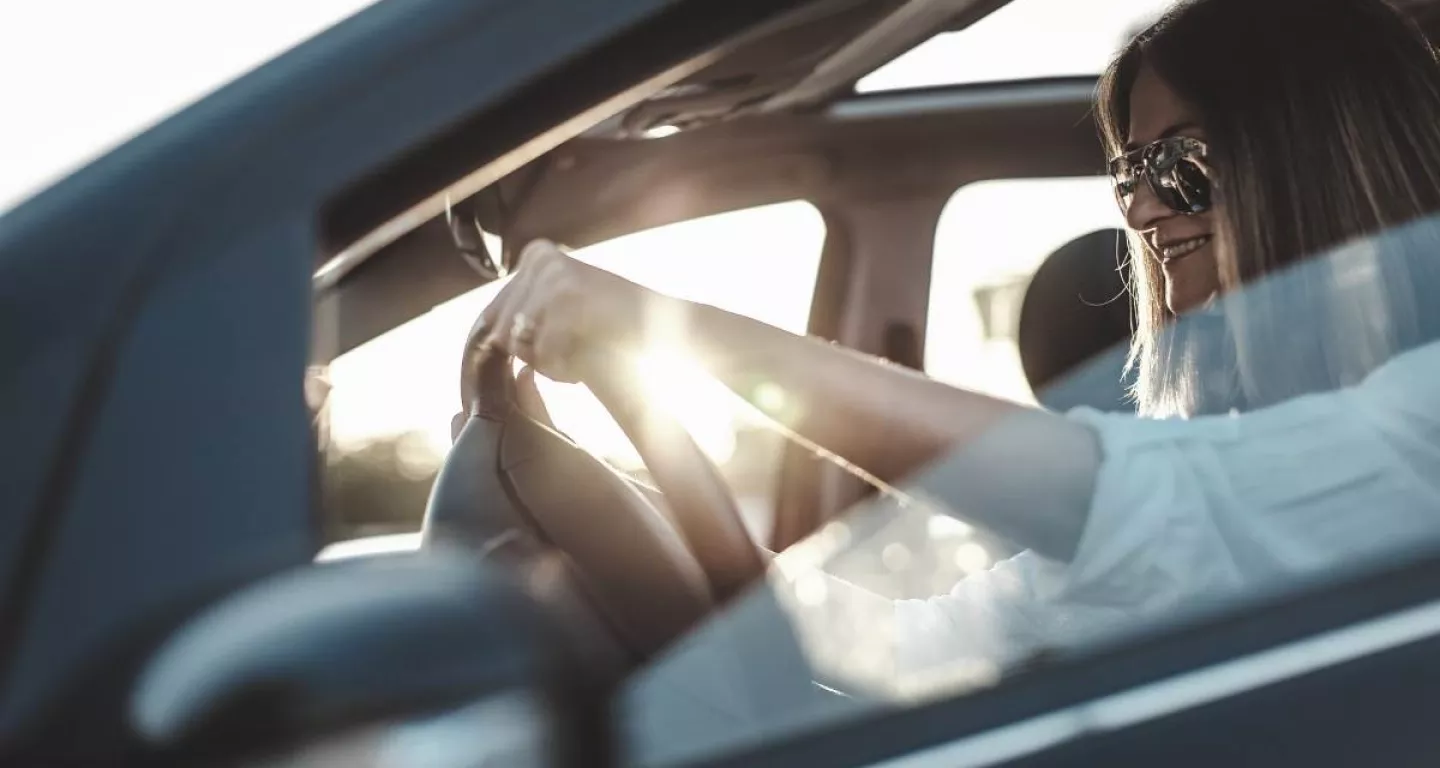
776, 119
758, 110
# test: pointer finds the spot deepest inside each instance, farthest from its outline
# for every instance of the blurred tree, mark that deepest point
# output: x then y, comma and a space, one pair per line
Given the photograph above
378, 488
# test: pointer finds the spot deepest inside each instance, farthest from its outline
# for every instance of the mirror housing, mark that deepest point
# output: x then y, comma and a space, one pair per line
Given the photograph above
357, 655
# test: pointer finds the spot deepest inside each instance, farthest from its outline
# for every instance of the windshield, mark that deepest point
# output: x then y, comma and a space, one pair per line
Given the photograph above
390, 401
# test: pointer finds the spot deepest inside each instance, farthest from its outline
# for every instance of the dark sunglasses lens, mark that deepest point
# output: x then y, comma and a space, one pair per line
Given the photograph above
1183, 187
1122, 177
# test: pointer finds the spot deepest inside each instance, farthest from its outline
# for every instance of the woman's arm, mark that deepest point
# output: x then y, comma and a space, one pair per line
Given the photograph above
888, 420
1021, 472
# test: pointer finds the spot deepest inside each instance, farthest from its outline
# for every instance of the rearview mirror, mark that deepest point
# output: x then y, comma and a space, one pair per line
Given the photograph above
470, 239
406, 660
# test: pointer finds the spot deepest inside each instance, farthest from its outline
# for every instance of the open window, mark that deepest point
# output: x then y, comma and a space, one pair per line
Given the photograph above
1023, 40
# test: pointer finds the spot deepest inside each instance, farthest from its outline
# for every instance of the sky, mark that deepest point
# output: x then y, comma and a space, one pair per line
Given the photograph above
78, 77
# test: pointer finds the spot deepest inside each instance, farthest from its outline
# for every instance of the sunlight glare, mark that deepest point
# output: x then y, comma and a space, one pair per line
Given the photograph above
895, 557
972, 558
79, 77
670, 381
581, 417
759, 262
676, 383
661, 131
946, 527
1025, 39
811, 588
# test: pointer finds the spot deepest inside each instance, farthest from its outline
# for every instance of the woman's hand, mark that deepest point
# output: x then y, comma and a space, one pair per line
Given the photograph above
556, 310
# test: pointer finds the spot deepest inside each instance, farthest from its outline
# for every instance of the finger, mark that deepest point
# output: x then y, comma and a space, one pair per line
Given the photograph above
565, 332
520, 309
485, 321
538, 310
555, 344
499, 316
492, 316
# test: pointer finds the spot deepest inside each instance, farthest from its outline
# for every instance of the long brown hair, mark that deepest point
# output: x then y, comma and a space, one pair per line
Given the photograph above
1323, 121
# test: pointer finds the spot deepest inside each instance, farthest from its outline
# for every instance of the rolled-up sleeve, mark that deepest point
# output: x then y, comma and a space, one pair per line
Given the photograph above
1209, 506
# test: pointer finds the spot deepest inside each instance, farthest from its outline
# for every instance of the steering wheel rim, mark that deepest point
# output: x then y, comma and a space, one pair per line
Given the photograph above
699, 501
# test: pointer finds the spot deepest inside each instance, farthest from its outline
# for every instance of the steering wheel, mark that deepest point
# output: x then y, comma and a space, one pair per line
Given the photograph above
513, 485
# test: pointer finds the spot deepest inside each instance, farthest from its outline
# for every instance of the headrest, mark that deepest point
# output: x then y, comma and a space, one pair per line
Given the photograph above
1076, 322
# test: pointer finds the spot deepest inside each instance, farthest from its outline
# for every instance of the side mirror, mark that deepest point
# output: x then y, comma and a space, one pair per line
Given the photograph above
408, 660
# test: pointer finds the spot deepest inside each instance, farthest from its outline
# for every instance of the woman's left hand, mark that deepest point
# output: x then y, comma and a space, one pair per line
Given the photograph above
555, 309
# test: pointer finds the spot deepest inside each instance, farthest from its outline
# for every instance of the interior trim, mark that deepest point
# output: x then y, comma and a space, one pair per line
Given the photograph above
968, 99
352, 256
359, 246
1180, 692
909, 25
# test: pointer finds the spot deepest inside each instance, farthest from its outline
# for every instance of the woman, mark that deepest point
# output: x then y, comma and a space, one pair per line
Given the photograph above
1246, 137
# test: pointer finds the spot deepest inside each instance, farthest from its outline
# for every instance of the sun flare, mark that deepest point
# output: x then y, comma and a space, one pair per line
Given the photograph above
403, 382
670, 381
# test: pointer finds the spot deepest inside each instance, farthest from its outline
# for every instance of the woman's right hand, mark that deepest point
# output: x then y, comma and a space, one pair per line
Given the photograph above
556, 309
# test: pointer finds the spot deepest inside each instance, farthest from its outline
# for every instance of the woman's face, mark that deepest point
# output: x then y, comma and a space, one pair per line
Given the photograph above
1183, 245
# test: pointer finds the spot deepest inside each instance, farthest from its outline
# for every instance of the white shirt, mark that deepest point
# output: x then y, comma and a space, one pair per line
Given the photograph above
1190, 513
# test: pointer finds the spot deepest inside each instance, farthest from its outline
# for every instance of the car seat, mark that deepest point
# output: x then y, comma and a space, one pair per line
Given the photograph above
1075, 325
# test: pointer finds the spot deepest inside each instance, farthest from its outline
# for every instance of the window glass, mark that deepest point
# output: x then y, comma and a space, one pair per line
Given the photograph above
992, 237
1022, 40
391, 399
1324, 472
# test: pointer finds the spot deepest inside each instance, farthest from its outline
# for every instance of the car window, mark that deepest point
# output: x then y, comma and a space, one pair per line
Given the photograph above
1025, 39
992, 237
387, 416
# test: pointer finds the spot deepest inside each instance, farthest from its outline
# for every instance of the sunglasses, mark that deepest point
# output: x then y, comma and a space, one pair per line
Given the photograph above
1175, 170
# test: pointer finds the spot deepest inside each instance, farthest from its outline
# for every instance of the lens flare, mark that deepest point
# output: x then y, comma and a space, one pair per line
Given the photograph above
675, 383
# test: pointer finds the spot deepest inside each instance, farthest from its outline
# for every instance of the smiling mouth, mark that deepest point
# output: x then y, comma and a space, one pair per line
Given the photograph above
1181, 249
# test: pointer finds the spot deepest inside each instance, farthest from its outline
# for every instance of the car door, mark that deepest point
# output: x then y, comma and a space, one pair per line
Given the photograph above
158, 447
